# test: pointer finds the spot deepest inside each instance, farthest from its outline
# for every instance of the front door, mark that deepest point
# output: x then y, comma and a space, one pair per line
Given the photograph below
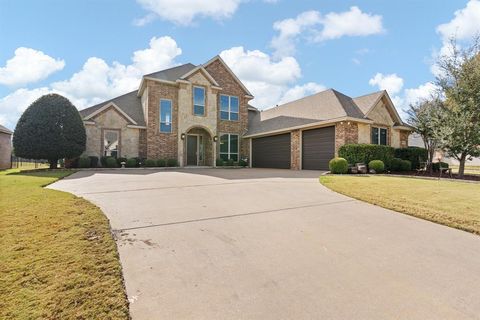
192, 149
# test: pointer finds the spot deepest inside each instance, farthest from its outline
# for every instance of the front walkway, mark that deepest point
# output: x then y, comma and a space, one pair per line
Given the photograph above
275, 244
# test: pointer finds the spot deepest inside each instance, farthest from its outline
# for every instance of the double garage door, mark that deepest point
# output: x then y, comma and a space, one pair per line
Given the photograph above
318, 147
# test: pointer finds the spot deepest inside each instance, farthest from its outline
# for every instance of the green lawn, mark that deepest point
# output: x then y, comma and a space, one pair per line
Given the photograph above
454, 204
58, 259
475, 170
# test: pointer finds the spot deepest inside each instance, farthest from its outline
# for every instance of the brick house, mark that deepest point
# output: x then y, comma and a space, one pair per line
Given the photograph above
5, 148
196, 114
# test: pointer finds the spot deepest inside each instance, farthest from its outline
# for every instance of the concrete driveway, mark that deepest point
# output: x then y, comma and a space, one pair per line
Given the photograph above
275, 244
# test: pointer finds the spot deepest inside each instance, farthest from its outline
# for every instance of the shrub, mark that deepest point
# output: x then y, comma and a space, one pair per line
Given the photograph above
50, 128
406, 165
150, 163
414, 154
120, 160
110, 162
162, 163
396, 164
242, 163
219, 162
131, 163
230, 162
71, 163
172, 163
364, 153
84, 162
338, 165
436, 166
93, 162
376, 165
103, 161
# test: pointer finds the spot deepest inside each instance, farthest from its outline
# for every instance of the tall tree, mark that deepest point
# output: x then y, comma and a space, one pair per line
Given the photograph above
422, 116
458, 129
51, 128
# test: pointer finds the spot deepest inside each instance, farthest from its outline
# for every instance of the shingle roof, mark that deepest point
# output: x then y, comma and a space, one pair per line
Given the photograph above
172, 74
325, 105
128, 103
5, 130
366, 102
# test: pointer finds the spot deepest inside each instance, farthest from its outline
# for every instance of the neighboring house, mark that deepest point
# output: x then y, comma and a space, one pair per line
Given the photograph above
196, 114
5, 148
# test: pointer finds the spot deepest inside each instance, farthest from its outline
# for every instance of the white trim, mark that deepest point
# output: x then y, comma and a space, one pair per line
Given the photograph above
403, 128
105, 107
322, 123
249, 96
182, 81
228, 140
217, 57
204, 101
87, 122
160, 116
136, 127
229, 107
217, 88
205, 73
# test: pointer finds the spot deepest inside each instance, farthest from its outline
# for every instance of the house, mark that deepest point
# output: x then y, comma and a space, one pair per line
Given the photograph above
5, 148
196, 114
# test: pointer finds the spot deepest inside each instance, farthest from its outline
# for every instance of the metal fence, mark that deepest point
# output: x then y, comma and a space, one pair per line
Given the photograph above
22, 163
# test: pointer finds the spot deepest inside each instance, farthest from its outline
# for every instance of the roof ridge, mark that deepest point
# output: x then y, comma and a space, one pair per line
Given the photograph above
179, 66
109, 100
370, 94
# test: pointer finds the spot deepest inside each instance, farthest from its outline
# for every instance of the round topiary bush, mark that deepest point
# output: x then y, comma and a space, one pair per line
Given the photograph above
131, 163
396, 164
162, 163
338, 166
376, 165
84, 162
150, 163
406, 165
111, 162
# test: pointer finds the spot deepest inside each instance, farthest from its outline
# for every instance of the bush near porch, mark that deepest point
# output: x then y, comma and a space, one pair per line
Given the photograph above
364, 153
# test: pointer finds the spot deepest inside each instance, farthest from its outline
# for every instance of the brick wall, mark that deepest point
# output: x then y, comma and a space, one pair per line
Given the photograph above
161, 145
345, 132
231, 87
295, 142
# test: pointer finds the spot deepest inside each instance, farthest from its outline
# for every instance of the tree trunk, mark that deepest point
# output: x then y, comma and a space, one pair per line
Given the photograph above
53, 163
461, 168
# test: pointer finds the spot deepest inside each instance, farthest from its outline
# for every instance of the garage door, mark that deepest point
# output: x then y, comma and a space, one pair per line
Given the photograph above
271, 152
318, 148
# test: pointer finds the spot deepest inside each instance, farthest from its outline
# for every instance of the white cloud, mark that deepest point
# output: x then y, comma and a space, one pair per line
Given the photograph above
97, 81
267, 79
349, 23
289, 29
390, 82
28, 65
183, 12
300, 91
465, 25
315, 27
422, 92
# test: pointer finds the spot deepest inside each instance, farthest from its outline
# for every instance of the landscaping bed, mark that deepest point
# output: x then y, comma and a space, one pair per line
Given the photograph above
469, 177
447, 202
57, 255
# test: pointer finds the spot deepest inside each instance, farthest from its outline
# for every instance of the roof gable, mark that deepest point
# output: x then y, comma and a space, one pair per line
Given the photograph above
219, 60
369, 102
200, 69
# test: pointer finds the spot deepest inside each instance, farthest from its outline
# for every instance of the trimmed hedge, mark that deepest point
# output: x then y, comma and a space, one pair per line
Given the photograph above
93, 161
150, 163
110, 162
219, 162
364, 153
162, 163
338, 165
406, 165
120, 160
131, 163
413, 154
84, 162
376, 165
242, 163
436, 166
396, 164
172, 163
230, 162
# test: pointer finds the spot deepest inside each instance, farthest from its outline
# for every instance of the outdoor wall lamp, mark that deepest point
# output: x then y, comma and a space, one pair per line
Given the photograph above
215, 139
182, 136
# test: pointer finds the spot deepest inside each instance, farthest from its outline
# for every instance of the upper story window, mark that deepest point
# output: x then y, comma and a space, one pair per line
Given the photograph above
228, 107
199, 101
379, 136
165, 115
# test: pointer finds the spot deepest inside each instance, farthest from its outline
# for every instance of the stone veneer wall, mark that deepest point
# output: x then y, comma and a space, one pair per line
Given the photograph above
295, 150
161, 145
111, 119
345, 133
404, 138
231, 87
5, 150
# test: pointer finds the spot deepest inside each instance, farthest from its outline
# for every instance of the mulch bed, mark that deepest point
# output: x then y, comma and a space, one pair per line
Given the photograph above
436, 175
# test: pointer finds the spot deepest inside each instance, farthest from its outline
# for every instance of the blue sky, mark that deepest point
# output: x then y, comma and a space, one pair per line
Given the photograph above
91, 50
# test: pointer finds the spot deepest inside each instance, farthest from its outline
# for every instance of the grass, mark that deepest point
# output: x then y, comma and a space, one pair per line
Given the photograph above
475, 170
58, 259
455, 204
